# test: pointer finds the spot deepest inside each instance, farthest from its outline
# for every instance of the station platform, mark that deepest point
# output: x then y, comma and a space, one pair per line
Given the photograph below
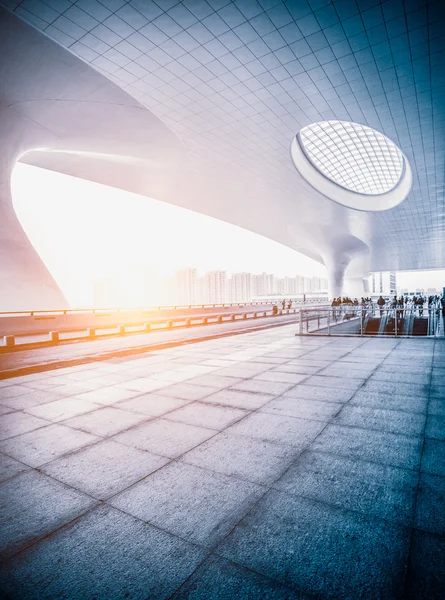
259, 465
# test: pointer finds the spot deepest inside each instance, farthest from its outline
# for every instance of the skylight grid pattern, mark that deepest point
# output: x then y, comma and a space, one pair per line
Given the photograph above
354, 156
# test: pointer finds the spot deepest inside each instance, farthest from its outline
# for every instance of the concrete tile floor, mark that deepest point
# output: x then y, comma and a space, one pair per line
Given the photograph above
261, 465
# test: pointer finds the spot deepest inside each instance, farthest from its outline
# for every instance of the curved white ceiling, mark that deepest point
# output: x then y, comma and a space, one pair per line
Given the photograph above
354, 156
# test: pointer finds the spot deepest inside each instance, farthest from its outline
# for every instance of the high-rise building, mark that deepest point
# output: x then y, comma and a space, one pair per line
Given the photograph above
216, 287
383, 283
241, 287
187, 286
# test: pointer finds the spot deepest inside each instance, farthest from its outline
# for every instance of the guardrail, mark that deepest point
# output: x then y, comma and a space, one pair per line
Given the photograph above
146, 326
352, 320
153, 308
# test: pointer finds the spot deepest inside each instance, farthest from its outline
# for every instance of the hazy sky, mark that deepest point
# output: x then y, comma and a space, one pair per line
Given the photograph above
84, 231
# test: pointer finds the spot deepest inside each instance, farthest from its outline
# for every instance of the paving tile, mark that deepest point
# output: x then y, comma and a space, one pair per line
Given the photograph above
9, 467
11, 391
275, 388
324, 551
214, 381
33, 505
16, 423
106, 421
198, 505
433, 459
405, 389
62, 409
402, 377
340, 370
415, 404
436, 406
288, 368
437, 391
31, 398
108, 395
393, 421
324, 394
251, 459
435, 427
218, 578
152, 404
74, 389
38, 447
430, 505
369, 488
309, 361
207, 415
375, 446
238, 399
426, 570
163, 437
184, 391
304, 409
124, 558
143, 384
234, 371
334, 382
277, 428
104, 469
280, 377
5, 409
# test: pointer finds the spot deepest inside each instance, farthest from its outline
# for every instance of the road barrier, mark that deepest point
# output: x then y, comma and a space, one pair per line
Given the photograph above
162, 323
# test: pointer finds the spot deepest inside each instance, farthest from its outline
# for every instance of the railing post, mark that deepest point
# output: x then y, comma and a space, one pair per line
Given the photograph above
147, 327
9, 340
300, 324
121, 329
54, 336
91, 332
361, 324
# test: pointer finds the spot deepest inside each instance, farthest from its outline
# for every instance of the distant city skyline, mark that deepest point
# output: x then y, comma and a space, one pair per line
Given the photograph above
186, 287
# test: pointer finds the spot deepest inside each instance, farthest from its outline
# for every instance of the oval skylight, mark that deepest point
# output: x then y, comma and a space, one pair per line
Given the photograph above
353, 156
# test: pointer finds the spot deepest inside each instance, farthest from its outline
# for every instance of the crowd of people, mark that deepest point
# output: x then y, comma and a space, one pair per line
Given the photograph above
414, 304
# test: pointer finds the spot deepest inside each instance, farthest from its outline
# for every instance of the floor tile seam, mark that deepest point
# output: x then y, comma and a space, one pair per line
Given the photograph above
396, 410
209, 549
207, 426
353, 511
292, 589
48, 424
107, 436
310, 448
57, 422
349, 426
417, 490
264, 485
36, 541
15, 474
326, 425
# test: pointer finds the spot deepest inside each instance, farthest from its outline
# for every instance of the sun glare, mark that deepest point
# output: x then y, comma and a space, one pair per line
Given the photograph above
87, 233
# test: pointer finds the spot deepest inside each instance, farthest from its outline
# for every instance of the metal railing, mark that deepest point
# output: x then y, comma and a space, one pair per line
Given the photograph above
147, 309
352, 320
140, 326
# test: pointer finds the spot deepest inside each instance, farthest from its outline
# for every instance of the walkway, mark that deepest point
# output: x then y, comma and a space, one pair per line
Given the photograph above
261, 465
